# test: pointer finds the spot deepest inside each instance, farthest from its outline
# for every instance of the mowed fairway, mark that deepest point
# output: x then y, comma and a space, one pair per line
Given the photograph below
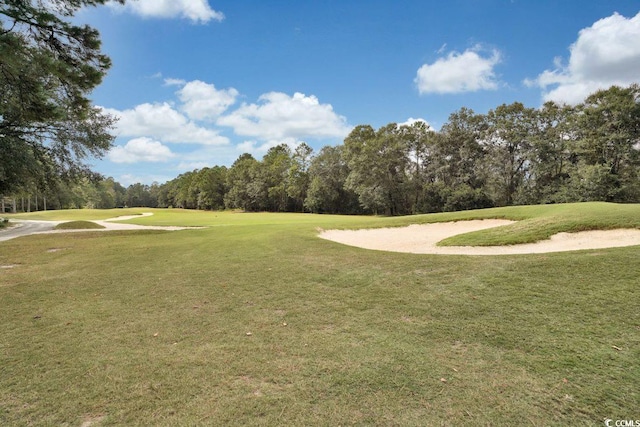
254, 320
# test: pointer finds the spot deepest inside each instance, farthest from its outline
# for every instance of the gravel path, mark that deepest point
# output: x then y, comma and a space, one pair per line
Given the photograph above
25, 228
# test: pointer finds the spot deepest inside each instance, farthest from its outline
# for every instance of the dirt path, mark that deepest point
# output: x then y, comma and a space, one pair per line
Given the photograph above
422, 239
29, 227
25, 228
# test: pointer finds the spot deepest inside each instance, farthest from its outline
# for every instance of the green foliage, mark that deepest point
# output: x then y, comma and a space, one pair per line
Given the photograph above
379, 166
327, 191
48, 67
210, 186
245, 187
274, 173
507, 138
139, 195
465, 198
298, 180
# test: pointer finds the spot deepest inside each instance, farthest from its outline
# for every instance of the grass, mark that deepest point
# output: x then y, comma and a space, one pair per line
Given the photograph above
78, 225
78, 214
151, 327
535, 223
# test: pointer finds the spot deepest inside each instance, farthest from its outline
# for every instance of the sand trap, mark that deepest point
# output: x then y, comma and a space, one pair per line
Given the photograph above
28, 227
422, 239
126, 217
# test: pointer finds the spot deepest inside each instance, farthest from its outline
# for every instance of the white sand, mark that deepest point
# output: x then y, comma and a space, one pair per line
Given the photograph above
109, 225
422, 239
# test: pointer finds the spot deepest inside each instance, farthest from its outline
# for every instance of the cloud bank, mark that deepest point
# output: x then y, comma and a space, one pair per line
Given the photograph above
201, 113
605, 54
162, 122
277, 115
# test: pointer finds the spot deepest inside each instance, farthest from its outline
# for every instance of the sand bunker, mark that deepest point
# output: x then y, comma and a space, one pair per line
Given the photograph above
29, 227
422, 239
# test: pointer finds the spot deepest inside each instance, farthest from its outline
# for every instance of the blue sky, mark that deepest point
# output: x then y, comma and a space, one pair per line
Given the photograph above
197, 83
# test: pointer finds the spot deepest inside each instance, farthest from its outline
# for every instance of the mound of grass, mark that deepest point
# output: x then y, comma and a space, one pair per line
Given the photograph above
78, 225
537, 223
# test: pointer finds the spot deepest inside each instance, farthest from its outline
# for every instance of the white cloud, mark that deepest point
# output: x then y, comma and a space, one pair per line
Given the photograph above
209, 155
605, 54
259, 149
128, 179
189, 166
202, 101
140, 150
195, 10
162, 122
174, 82
459, 72
247, 147
197, 114
410, 121
278, 116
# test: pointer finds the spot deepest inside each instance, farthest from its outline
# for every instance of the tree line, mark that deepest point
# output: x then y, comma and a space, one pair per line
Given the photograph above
512, 155
508, 156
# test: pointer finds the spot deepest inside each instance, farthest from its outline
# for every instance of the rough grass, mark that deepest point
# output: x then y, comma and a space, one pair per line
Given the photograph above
78, 225
537, 223
256, 321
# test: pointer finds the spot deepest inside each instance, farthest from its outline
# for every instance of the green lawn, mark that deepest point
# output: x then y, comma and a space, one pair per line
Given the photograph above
256, 321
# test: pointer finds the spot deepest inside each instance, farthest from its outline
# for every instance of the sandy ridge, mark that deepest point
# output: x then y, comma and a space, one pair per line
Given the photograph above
422, 239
